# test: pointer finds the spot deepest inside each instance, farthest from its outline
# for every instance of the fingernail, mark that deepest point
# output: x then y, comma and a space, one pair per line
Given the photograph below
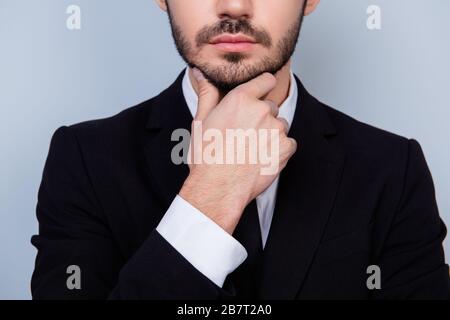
198, 75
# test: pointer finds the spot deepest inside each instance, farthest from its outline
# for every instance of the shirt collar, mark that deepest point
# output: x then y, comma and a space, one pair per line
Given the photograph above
287, 108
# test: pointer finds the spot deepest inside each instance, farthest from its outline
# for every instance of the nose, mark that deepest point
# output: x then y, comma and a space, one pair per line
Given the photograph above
234, 9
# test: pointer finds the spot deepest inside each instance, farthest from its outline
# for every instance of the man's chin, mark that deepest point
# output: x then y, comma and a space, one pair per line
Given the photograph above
226, 78
225, 86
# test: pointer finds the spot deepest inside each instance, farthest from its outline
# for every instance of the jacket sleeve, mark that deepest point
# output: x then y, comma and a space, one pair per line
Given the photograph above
412, 261
73, 231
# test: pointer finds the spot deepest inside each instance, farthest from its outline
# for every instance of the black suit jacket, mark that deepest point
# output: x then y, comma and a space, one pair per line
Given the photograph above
352, 196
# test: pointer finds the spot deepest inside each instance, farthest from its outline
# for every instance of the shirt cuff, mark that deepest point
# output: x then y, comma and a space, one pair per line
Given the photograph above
202, 242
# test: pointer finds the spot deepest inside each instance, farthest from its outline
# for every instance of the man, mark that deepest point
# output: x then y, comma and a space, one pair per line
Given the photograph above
348, 212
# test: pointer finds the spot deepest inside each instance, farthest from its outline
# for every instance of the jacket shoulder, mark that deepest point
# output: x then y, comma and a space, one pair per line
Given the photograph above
356, 134
131, 118
373, 149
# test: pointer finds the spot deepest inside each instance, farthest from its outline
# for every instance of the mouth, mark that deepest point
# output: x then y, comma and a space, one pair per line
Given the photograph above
233, 43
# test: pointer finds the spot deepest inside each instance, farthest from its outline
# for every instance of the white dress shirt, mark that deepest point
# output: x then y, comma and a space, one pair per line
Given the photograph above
202, 242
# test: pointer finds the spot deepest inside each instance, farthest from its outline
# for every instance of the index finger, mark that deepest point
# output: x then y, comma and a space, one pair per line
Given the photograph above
259, 86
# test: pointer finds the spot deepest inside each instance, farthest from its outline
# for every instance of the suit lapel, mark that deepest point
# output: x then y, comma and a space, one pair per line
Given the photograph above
168, 112
305, 197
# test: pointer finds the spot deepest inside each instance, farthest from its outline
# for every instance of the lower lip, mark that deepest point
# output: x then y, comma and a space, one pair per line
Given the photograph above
234, 46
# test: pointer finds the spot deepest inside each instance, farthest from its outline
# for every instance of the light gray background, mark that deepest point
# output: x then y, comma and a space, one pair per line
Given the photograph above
396, 78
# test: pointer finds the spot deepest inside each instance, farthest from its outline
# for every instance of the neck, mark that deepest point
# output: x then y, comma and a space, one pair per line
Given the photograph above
277, 94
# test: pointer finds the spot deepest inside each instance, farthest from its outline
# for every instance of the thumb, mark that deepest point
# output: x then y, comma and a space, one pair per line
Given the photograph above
208, 95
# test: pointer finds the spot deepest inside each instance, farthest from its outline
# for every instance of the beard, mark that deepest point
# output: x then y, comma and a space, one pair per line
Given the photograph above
235, 70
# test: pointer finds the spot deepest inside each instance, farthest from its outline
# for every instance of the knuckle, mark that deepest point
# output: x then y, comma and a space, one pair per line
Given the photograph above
238, 96
265, 109
280, 126
289, 144
285, 125
203, 91
292, 144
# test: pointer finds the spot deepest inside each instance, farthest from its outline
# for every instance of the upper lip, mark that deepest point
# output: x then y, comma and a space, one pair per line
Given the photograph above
232, 39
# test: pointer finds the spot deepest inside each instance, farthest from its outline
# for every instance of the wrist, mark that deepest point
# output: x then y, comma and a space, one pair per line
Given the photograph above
217, 204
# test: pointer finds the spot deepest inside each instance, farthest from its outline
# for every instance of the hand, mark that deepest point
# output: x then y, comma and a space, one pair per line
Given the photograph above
222, 191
